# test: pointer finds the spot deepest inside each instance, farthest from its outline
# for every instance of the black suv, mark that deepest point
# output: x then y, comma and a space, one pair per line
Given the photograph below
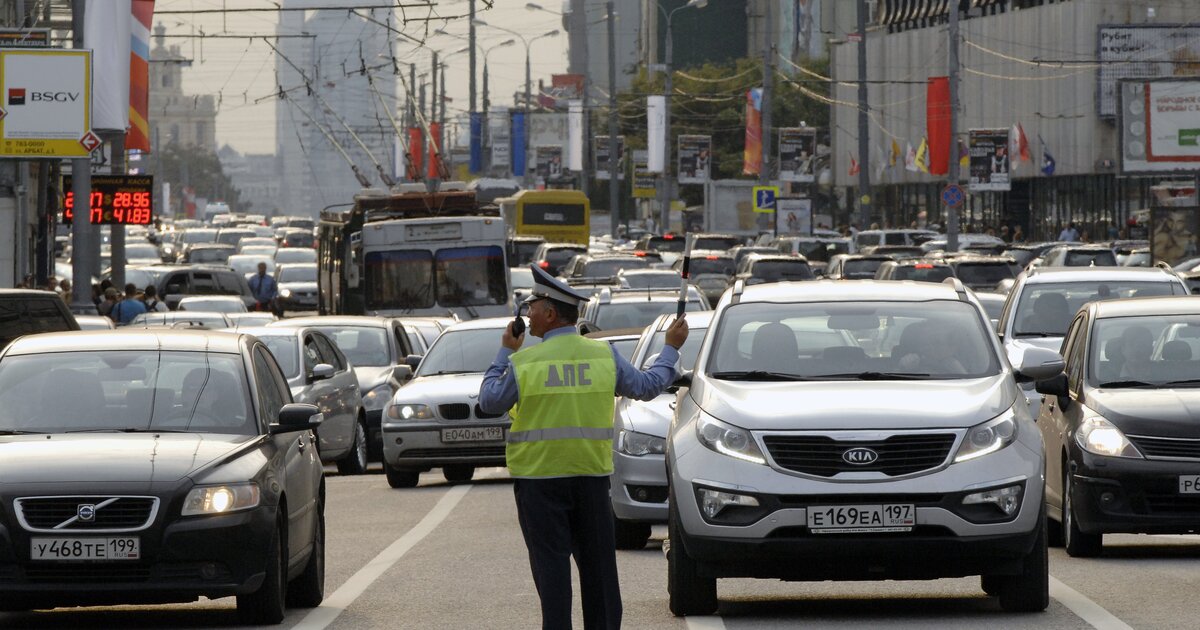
174, 282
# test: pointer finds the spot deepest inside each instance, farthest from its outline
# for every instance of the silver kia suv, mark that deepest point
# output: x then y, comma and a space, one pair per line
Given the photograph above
856, 431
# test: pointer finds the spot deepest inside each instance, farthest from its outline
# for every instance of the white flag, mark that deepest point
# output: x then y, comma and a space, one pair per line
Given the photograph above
656, 124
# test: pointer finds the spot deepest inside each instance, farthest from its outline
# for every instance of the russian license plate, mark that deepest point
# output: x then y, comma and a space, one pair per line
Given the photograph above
1189, 484
115, 548
473, 434
842, 519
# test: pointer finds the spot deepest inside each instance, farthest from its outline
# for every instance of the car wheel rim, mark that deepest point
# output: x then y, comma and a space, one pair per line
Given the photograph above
1068, 519
361, 448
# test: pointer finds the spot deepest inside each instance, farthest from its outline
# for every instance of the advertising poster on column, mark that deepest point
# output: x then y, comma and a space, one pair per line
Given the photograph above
793, 216
1173, 238
797, 148
644, 181
600, 150
695, 159
548, 163
989, 160
498, 139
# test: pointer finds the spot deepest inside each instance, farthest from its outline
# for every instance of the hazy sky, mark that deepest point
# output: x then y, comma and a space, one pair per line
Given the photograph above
241, 71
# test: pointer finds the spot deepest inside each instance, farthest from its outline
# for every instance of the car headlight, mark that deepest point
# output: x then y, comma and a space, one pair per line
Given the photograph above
410, 412
221, 499
728, 440
1099, 437
988, 437
377, 398
638, 444
285, 294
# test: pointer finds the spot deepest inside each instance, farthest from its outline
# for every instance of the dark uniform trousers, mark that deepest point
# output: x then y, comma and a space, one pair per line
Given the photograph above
565, 517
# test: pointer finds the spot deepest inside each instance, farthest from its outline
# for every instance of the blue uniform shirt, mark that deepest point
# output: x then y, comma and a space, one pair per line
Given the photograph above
498, 393
263, 287
124, 311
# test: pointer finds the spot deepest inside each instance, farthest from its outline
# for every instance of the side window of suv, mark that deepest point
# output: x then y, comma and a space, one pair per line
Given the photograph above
228, 284
45, 315
203, 283
177, 283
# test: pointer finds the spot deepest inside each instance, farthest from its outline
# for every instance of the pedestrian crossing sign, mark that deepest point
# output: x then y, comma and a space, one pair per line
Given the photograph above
764, 198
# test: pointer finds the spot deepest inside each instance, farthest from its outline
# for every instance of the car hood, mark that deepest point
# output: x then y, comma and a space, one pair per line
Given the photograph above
649, 417
1017, 347
446, 387
1153, 412
855, 404
307, 287
112, 457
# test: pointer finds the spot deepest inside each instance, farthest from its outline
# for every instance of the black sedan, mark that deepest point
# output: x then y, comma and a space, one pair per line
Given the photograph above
153, 466
1122, 424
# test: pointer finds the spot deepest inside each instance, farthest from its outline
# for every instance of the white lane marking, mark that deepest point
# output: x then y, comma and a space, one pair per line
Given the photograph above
358, 583
1084, 608
1189, 537
712, 622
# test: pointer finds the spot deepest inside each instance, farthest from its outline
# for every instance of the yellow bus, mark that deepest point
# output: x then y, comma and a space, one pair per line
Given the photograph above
560, 216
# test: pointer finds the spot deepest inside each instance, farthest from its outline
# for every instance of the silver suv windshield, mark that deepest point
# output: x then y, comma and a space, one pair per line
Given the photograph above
861, 341
1045, 309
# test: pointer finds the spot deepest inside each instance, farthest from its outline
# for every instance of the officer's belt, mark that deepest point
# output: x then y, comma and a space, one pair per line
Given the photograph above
560, 433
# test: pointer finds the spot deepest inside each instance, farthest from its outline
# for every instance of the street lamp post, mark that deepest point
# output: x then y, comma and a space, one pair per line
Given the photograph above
487, 105
664, 185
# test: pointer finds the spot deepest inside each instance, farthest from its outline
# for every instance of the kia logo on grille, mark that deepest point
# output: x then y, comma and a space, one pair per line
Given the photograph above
86, 512
860, 456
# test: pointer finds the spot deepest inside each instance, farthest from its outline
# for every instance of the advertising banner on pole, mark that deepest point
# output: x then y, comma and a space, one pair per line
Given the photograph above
989, 160
107, 33
793, 216
548, 163
695, 159
498, 138
517, 153
46, 110
644, 181
656, 122
797, 150
575, 135
476, 142
752, 153
601, 152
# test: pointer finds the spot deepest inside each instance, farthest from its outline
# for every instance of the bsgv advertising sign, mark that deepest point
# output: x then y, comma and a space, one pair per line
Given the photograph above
46, 109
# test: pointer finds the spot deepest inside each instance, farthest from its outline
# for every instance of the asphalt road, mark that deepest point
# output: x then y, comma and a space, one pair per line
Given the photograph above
451, 556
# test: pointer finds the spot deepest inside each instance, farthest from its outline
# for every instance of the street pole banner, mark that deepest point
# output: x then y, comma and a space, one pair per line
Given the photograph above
46, 110
793, 216
498, 138
600, 150
138, 136
548, 164
575, 135
517, 153
107, 33
476, 142
797, 149
989, 160
695, 159
656, 122
752, 153
644, 181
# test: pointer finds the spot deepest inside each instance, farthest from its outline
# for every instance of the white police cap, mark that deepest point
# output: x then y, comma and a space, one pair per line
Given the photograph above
546, 286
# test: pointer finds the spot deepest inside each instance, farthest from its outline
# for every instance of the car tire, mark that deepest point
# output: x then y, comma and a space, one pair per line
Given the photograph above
400, 478
457, 473
689, 592
990, 584
355, 462
308, 589
266, 605
1077, 543
1029, 591
631, 535
1054, 533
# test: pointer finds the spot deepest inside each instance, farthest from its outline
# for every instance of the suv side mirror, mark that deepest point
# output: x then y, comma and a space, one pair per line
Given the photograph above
402, 373
1053, 386
412, 361
321, 371
1039, 364
297, 417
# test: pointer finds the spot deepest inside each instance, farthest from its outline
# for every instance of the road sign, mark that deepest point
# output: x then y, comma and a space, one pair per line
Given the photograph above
764, 198
953, 195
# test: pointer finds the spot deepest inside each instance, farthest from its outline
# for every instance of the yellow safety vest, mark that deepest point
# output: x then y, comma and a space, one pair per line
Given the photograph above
562, 426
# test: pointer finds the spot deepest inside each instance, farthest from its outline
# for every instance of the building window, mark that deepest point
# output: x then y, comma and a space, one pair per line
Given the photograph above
200, 132
166, 79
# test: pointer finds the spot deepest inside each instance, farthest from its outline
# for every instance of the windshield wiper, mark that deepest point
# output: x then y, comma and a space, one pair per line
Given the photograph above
1125, 384
19, 432
126, 430
881, 376
1038, 334
444, 372
1186, 381
759, 375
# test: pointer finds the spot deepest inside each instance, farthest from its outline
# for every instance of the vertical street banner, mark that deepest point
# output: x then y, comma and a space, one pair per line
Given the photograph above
644, 181
107, 33
752, 154
797, 151
575, 135
600, 151
937, 124
695, 159
476, 142
435, 151
517, 153
498, 139
656, 122
138, 136
416, 154
548, 163
989, 160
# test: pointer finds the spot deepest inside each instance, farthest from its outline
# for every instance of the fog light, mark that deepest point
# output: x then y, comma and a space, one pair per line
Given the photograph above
399, 441
641, 495
1007, 499
712, 502
1108, 498
209, 571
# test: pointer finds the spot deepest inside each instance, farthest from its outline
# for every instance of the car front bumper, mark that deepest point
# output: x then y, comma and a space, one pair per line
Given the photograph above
639, 488
419, 445
187, 558
1117, 495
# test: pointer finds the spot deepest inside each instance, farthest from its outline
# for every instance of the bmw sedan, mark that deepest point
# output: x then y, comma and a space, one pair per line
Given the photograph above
177, 468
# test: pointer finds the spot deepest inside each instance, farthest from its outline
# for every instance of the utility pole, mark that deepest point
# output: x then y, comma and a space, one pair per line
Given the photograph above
582, 22
486, 132
614, 182
864, 131
664, 185
85, 244
525, 128
471, 44
764, 172
952, 173
116, 147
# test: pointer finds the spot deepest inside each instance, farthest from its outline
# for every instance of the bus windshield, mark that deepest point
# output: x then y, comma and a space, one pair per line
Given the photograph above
448, 277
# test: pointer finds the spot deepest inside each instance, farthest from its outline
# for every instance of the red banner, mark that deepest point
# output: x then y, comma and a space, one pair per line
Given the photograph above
937, 124
138, 135
752, 155
416, 153
435, 147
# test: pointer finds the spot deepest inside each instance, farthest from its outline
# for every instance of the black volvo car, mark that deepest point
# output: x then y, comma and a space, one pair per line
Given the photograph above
156, 466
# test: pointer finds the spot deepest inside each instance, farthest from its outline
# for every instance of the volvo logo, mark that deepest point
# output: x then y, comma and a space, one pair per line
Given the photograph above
86, 512
860, 456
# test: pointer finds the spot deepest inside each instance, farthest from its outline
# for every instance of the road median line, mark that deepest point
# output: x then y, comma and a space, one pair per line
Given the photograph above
358, 583
1084, 608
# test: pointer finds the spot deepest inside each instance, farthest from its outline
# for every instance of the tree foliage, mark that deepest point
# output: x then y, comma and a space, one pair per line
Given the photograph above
183, 166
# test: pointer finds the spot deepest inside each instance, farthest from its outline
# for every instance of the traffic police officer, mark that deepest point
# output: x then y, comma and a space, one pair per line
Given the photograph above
559, 395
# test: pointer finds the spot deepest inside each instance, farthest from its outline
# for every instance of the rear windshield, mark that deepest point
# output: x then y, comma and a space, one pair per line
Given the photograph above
716, 264
781, 270
716, 242
1091, 259
861, 268
673, 244
984, 274
1046, 309
637, 314
922, 273
608, 267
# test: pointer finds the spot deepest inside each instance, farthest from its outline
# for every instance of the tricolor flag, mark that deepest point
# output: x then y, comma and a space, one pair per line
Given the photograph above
1048, 163
138, 134
854, 168
894, 158
964, 156
1018, 146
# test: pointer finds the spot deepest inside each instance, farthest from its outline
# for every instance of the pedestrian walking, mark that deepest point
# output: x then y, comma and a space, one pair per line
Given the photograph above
65, 290
124, 311
559, 395
111, 297
1069, 233
264, 289
150, 299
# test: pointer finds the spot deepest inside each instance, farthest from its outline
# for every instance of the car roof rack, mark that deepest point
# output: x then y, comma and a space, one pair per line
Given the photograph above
739, 286
959, 288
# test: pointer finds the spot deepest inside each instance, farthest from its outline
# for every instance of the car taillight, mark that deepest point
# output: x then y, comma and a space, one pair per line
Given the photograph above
922, 266
710, 258
545, 264
639, 253
669, 237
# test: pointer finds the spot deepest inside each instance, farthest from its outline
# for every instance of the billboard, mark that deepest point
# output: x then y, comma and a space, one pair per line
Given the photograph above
1160, 126
548, 163
989, 160
793, 216
46, 111
600, 151
644, 181
797, 150
1142, 52
695, 159
1173, 234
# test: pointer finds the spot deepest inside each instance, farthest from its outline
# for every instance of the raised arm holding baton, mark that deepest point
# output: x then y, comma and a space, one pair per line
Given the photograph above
683, 279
